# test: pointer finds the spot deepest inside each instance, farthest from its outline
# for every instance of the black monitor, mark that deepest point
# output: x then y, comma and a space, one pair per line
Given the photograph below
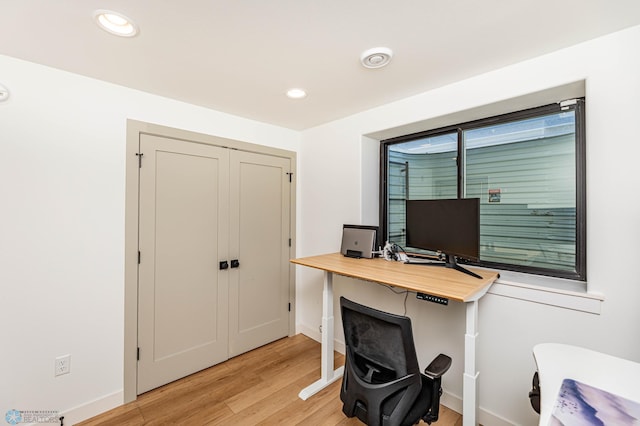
449, 226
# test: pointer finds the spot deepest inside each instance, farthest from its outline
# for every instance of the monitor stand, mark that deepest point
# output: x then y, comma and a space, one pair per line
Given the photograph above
450, 262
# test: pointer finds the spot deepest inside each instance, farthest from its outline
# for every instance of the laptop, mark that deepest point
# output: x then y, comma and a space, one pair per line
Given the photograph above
358, 241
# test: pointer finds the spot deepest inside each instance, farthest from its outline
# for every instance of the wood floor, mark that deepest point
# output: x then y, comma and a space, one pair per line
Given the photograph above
257, 388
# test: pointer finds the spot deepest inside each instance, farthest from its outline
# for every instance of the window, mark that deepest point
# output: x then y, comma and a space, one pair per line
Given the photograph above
528, 170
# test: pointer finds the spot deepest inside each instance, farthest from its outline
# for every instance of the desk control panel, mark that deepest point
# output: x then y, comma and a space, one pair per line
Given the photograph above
432, 298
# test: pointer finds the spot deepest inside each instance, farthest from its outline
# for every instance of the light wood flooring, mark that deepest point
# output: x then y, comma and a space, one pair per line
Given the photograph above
257, 388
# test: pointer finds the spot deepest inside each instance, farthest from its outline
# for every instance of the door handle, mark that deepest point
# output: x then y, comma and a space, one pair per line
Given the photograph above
235, 263
224, 265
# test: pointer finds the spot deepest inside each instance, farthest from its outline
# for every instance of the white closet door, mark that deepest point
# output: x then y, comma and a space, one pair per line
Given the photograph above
183, 296
260, 195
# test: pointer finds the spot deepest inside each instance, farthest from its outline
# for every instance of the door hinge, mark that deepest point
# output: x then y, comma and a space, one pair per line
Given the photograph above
289, 306
290, 176
139, 256
289, 242
138, 355
139, 155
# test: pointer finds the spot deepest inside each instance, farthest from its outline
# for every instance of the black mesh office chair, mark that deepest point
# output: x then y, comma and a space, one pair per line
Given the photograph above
382, 383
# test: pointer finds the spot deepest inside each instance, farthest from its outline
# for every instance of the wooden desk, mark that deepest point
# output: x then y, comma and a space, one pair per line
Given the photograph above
436, 281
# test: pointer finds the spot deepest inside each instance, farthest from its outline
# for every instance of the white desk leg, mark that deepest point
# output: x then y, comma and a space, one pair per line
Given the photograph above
470, 382
327, 373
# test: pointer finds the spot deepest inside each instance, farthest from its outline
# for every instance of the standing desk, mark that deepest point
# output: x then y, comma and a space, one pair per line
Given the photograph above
437, 281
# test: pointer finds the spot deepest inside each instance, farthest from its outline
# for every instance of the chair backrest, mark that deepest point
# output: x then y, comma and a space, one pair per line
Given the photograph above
381, 337
382, 377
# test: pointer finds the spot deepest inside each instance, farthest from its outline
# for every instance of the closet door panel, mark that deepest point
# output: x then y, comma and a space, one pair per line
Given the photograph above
183, 296
259, 238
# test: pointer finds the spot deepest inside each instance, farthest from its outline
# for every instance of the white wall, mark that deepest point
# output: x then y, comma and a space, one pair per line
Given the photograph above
62, 147
337, 171
62, 184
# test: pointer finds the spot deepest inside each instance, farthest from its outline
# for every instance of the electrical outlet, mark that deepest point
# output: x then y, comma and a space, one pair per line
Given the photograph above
63, 365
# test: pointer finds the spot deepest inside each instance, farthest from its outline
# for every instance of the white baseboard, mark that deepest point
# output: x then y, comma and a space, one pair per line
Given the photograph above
489, 418
485, 417
309, 332
92, 408
452, 402
317, 336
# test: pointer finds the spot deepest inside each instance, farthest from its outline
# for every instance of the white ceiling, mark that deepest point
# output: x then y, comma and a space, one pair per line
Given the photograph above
240, 56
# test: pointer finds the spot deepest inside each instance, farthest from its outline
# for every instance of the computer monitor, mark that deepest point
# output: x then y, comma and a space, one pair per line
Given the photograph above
449, 226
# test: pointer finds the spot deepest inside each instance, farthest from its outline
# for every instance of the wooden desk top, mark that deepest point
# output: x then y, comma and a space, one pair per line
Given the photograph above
434, 280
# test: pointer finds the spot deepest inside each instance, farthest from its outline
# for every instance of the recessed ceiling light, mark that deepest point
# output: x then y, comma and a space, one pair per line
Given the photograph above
4, 93
296, 93
377, 57
115, 23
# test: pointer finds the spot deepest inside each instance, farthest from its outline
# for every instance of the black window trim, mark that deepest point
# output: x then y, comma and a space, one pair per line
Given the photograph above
580, 157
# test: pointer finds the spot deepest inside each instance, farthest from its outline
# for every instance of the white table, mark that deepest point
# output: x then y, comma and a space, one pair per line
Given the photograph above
557, 362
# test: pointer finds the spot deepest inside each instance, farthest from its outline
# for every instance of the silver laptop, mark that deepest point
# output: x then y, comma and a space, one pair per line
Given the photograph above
358, 241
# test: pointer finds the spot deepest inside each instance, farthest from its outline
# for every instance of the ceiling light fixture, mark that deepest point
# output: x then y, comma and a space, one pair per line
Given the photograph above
296, 93
377, 57
115, 23
4, 93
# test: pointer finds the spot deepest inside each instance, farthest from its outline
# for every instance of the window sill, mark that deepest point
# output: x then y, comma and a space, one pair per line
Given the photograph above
558, 292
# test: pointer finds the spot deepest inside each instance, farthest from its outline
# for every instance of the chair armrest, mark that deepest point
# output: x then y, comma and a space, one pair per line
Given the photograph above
438, 366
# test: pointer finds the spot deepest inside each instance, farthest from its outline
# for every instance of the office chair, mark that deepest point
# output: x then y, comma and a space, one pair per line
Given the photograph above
382, 383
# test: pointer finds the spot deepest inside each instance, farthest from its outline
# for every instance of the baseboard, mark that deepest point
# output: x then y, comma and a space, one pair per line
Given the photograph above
451, 401
309, 332
454, 402
489, 418
317, 336
92, 408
